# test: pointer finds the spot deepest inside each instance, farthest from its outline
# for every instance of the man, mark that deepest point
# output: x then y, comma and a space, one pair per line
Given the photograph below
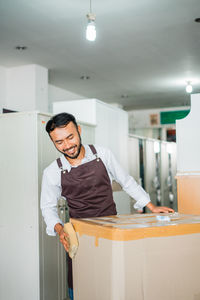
83, 175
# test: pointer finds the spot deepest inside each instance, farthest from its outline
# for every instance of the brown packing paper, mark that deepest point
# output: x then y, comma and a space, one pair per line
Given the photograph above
72, 239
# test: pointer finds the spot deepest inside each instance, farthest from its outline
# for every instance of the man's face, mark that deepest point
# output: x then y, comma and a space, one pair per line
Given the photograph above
67, 140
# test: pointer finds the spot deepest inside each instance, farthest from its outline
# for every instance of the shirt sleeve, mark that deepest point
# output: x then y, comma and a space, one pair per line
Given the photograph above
127, 182
50, 194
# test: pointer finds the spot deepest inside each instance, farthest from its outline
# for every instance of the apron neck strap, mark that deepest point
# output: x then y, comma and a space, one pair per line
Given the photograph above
59, 163
93, 149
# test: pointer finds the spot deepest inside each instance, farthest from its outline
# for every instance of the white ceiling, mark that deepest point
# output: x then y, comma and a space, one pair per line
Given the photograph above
145, 49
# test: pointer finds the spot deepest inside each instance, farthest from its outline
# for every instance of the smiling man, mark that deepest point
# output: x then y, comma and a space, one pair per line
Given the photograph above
68, 142
83, 175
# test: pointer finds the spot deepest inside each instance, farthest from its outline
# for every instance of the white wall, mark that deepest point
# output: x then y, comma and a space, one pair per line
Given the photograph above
140, 122
83, 110
41, 89
112, 130
56, 94
141, 118
27, 88
19, 98
2, 87
188, 139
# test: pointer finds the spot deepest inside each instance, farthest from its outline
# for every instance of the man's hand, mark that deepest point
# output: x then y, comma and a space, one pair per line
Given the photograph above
64, 238
159, 209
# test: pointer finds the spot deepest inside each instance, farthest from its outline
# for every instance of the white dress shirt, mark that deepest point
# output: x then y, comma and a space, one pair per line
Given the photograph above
51, 184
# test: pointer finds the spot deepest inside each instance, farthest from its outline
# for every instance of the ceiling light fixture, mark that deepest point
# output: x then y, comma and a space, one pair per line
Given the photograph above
21, 48
188, 87
197, 20
124, 96
91, 29
85, 77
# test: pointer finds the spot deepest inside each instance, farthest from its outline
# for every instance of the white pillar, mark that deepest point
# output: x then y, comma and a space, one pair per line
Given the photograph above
27, 88
188, 139
2, 87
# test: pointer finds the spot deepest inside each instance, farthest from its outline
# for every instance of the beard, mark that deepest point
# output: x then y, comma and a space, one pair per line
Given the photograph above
77, 151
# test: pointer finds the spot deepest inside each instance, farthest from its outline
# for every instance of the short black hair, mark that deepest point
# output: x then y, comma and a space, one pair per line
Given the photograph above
60, 120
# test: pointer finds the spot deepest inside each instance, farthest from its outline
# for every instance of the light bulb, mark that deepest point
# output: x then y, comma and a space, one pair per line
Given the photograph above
189, 88
91, 31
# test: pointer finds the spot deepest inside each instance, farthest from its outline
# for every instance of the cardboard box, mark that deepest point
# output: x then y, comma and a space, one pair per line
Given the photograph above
137, 257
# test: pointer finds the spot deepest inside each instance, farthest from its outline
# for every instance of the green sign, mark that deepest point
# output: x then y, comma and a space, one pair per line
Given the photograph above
170, 117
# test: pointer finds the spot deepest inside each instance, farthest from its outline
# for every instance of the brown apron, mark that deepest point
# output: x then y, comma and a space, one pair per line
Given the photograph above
88, 191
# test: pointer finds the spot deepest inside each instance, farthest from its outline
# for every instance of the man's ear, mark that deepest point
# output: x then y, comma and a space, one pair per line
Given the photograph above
79, 129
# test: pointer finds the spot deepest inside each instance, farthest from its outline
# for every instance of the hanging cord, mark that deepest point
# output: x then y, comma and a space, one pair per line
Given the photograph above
90, 6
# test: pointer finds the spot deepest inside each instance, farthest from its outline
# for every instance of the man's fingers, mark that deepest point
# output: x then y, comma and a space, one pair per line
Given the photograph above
166, 209
64, 234
66, 246
64, 238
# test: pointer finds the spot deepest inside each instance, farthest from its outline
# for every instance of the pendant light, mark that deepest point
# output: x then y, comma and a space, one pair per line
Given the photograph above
91, 29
